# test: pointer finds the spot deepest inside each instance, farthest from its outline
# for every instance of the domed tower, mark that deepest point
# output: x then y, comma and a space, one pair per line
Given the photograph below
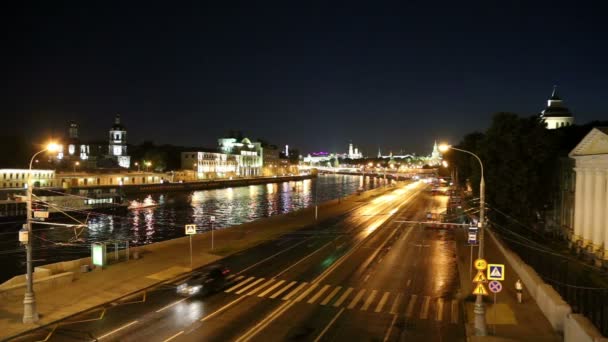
556, 115
117, 147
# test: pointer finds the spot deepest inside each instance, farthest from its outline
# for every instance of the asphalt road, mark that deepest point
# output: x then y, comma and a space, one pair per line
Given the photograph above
370, 275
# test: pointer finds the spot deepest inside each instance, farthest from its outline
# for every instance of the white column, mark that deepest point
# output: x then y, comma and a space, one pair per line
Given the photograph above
598, 206
588, 208
604, 223
578, 205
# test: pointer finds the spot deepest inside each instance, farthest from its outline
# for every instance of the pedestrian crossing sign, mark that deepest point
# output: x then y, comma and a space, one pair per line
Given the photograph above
190, 229
480, 278
480, 290
496, 271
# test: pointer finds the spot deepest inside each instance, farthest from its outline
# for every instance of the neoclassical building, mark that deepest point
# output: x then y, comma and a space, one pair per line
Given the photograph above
556, 115
591, 192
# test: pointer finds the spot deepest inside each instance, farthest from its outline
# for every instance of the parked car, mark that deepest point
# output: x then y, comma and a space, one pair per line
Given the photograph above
210, 280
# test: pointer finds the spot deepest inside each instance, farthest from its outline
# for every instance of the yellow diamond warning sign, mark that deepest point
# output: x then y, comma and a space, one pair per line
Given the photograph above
480, 290
480, 277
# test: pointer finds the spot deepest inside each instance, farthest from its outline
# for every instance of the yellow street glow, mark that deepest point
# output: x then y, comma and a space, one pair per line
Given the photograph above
52, 147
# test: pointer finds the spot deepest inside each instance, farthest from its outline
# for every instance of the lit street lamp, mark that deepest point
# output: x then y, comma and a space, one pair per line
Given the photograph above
148, 164
30, 314
76, 163
137, 164
480, 315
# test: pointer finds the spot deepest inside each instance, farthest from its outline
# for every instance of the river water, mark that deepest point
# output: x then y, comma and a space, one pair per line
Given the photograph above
166, 220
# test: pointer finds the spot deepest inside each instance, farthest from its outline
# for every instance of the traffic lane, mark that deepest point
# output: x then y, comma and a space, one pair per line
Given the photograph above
303, 318
225, 331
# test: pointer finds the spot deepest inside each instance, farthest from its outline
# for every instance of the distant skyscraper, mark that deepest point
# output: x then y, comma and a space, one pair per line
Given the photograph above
556, 115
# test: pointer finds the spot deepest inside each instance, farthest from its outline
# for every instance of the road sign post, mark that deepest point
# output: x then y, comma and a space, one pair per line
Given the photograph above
212, 219
190, 230
495, 286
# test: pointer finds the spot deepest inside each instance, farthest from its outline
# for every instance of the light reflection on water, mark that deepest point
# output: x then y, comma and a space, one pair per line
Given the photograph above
230, 206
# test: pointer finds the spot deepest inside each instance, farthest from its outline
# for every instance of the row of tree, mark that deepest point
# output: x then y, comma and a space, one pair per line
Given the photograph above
521, 163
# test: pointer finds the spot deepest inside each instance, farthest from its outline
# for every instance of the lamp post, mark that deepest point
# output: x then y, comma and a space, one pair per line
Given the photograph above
76, 163
30, 314
137, 164
480, 312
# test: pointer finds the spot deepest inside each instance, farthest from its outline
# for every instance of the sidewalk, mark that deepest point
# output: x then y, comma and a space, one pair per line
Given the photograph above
160, 262
507, 320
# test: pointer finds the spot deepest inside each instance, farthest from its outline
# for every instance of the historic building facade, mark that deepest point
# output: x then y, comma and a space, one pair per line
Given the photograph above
117, 147
233, 159
556, 115
591, 193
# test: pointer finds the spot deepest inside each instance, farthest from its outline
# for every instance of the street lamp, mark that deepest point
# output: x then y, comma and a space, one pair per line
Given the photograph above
148, 164
137, 164
30, 315
480, 315
76, 163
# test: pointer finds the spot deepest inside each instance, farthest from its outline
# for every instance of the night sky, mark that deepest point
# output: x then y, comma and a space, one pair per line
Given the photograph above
313, 75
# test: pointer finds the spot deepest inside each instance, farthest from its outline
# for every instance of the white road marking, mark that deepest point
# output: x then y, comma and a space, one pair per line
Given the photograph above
396, 304
290, 294
329, 325
254, 291
209, 316
410, 306
369, 300
306, 293
390, 328
174, 336
271, 288
343, 297
170, 305
239, 284
318, 294
283, 289
424, 314
249, 286
439, 309
117, 330
356, 299
382, 301
331, 295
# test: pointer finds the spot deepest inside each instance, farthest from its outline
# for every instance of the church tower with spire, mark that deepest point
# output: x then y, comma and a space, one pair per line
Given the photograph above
556, 115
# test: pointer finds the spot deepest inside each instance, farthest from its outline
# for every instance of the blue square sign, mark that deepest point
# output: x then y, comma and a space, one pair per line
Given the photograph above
496, 272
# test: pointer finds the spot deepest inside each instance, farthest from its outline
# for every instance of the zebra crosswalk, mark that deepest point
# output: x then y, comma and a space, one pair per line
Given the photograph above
412, 306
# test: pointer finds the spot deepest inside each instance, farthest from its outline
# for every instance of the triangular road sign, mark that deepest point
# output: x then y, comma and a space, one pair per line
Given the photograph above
495, 272
480, 290
480, 277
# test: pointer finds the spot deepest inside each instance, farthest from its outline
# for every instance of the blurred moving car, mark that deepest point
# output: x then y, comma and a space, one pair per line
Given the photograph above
205, 282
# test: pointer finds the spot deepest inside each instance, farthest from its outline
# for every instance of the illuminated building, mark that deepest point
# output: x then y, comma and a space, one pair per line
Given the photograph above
234, 159
75, 151
17, 178
117, 147
556, 115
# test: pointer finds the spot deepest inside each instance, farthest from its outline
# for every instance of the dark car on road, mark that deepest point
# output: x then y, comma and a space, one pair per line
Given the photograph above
204, 282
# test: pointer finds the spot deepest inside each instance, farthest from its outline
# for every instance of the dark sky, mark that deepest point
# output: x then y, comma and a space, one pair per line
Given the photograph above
310, 74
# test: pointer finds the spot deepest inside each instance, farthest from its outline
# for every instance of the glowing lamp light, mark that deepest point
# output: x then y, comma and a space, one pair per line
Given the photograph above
444, 163
444, 147
52, 147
